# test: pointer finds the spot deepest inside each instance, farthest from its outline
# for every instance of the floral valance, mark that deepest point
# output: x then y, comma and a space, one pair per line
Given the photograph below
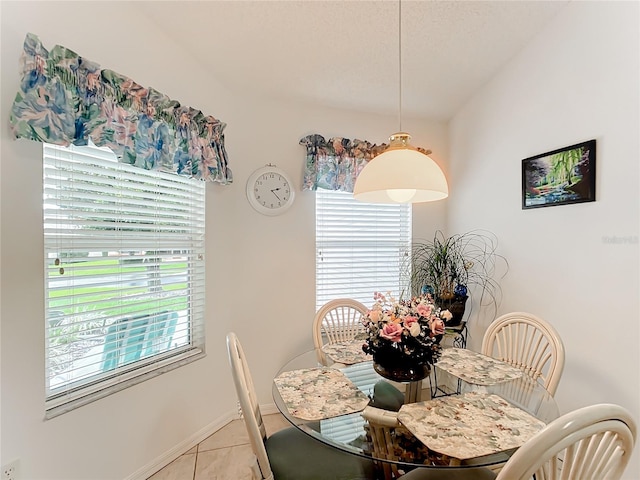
335, 164
66, 99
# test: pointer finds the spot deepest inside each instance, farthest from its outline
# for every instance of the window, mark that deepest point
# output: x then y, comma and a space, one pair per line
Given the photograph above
361, 248
124, 274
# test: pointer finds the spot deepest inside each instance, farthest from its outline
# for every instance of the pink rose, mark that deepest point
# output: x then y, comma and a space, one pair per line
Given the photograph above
437, 326
411, 323
374, 315
392, 331
409, 319
423, 310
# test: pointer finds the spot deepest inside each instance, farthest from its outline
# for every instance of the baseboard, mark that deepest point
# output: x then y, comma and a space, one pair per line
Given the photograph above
187, 444
269, 409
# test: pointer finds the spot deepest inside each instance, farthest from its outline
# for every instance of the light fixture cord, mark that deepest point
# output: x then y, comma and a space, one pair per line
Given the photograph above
400, 65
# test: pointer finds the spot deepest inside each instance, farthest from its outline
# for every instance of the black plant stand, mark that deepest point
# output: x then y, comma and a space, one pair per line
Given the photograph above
459, 333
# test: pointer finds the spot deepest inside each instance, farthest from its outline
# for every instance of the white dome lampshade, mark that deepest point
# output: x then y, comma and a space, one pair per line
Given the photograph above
401, 174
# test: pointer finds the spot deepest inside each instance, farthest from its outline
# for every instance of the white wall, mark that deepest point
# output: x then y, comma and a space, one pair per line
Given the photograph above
577, 81
260, 270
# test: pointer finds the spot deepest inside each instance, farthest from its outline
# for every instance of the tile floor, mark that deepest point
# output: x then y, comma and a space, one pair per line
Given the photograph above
223, 456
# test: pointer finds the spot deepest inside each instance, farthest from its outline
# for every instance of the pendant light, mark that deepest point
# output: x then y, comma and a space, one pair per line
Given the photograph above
402, 173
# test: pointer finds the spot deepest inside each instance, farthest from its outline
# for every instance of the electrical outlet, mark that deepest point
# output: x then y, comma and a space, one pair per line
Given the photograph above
10, 471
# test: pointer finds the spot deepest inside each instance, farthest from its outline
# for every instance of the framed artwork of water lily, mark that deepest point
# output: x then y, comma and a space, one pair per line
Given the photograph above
560, 177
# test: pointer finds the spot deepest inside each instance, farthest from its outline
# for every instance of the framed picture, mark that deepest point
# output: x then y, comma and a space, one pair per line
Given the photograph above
560, 177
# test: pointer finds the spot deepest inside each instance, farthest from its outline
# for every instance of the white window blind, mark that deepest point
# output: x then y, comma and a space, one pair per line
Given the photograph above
361, 248
124, 274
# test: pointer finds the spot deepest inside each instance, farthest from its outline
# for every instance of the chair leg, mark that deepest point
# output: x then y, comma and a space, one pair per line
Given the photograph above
256, 474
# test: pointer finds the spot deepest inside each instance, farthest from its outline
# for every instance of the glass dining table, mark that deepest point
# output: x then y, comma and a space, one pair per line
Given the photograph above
324, 393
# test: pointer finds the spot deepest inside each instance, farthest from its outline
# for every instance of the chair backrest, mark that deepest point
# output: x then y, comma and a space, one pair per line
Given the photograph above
338, 320
381, 425
593, 442
132, 338
385, 430
124, 342
529, 343
160, 331
249, 406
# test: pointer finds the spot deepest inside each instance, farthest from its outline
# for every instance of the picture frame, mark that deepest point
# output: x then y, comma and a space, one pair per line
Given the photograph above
560, 177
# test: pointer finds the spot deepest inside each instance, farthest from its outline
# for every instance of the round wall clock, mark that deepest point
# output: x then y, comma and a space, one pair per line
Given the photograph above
270, 190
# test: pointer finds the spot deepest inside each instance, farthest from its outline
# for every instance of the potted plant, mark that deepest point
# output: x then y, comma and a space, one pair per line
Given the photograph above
450, 268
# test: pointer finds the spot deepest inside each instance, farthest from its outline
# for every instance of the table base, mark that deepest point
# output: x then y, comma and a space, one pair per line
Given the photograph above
413, 392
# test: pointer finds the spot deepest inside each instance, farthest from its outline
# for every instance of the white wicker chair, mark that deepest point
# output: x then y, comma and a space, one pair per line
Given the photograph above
382, 425
593, 442
337, 321
529, 343
288, 454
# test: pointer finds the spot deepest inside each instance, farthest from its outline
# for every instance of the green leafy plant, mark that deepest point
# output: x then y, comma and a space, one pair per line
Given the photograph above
453, 267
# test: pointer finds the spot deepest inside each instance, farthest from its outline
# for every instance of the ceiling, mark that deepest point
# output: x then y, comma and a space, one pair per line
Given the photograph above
346, 54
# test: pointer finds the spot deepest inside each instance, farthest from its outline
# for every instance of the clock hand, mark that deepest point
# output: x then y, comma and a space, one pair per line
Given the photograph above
274, 192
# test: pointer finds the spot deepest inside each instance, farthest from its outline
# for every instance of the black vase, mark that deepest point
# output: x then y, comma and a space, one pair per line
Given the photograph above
456, 306
399, 368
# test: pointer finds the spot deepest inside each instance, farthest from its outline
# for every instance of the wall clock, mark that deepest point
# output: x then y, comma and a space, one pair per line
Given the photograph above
270, 190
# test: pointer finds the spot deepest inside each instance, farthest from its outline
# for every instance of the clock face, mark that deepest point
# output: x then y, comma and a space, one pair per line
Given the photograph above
269, 191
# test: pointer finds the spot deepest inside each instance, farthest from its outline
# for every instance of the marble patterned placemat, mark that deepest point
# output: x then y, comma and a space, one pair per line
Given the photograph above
318, 393
347, 353
469, 425
475, 368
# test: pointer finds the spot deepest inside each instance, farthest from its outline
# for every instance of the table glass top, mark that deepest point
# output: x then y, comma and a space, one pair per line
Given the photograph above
525, 399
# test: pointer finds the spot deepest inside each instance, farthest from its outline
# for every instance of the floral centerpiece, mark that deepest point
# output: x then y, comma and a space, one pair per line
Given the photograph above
404, 335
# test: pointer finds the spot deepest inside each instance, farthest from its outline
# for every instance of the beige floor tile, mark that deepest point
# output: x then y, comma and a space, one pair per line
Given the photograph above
234, 433
225, 455
181, 468
275, 422
224, 464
